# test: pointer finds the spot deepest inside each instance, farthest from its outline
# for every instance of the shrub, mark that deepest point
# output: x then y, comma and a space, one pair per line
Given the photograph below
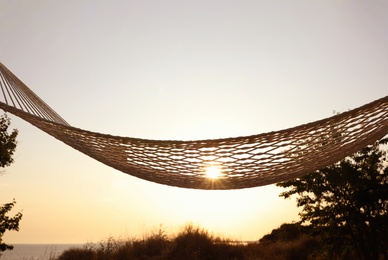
192, 243
76, 254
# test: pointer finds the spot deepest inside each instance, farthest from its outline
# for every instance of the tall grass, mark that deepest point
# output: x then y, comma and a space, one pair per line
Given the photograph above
189, 243
193, 243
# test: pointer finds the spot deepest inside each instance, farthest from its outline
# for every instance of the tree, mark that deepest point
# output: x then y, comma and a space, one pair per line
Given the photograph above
7, 142
347, 203
7, 148
8, 223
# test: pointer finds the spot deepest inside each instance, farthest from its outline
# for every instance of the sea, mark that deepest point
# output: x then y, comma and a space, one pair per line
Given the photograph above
36, 251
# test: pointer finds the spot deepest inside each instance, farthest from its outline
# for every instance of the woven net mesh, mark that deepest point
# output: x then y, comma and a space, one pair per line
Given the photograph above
243, 162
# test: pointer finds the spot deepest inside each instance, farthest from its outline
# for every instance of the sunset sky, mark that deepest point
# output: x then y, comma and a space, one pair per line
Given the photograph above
175, 70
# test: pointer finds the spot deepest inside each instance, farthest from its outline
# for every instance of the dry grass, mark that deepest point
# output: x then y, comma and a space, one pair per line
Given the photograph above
290, 241
189, 243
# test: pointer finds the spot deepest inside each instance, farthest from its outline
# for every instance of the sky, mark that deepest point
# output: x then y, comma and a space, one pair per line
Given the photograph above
181, 70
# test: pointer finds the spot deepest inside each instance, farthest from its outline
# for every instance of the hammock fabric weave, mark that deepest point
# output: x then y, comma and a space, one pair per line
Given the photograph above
244, 162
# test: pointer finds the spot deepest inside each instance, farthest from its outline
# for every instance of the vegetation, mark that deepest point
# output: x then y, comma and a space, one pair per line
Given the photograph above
7, 142
290, 241
8, 223
346, 204
190, 243
7, 148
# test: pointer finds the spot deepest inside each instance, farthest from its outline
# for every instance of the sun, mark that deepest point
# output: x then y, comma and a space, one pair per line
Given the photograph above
213, 172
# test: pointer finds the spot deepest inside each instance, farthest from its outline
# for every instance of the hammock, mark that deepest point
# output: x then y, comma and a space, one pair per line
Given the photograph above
243, 162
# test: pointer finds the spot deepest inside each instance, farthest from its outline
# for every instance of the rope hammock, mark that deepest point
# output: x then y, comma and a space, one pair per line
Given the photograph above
243, 162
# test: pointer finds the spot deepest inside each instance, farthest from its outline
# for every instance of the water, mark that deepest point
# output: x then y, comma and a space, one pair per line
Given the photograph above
36, 252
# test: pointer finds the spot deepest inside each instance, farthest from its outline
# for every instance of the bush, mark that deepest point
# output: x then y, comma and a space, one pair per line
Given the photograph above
192, 243
76, 254
151, 247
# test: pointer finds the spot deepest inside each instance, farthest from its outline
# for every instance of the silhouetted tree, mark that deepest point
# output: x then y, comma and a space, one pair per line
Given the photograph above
347, 203
8, 223
7, 142
7, 148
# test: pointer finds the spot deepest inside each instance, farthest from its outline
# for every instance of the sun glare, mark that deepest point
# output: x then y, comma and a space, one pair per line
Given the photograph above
213, 172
